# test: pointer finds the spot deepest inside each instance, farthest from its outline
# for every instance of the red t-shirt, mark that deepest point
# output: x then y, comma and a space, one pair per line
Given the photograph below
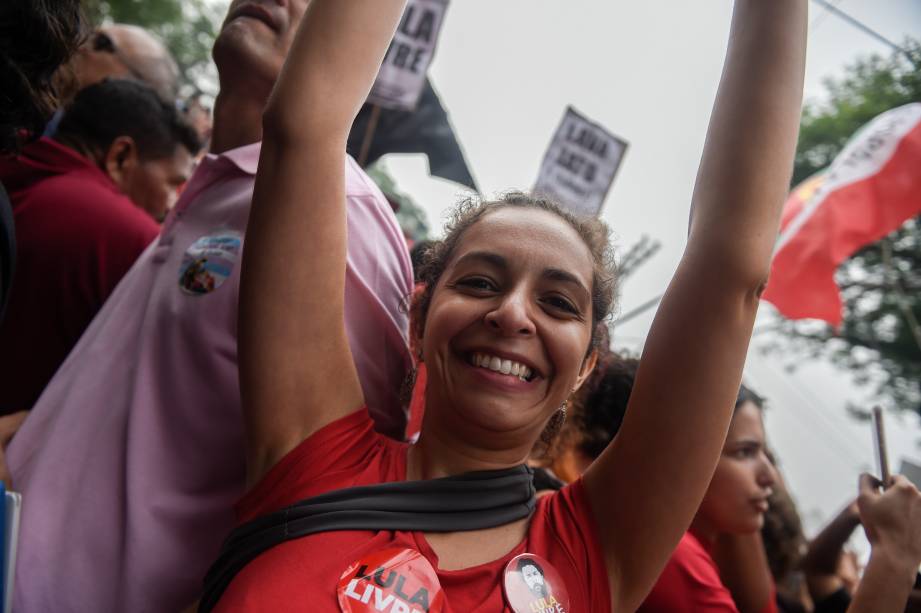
303, 574
76, 236
691, 583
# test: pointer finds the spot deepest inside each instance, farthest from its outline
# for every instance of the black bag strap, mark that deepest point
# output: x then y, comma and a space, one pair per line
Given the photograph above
472, 501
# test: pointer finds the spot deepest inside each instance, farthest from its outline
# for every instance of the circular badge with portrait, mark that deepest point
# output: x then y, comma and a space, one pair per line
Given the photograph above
393, 580
532, 585
209, 261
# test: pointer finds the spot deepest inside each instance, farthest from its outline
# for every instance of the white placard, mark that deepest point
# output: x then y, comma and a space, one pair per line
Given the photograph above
579, 167
402, 75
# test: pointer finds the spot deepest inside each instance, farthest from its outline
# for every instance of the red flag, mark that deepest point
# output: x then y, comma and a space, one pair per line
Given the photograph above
871, 188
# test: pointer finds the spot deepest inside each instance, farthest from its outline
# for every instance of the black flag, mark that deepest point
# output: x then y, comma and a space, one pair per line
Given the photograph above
423, 130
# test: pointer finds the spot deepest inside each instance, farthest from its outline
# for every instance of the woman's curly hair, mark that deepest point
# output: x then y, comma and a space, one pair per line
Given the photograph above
36, 38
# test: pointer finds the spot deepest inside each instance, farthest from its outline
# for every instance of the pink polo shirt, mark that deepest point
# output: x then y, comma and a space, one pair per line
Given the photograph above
131, 460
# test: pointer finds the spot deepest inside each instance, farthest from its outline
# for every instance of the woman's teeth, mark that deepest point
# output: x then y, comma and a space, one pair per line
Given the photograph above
506, 367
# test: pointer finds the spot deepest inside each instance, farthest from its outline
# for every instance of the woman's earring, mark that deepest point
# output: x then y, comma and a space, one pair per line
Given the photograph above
554, 425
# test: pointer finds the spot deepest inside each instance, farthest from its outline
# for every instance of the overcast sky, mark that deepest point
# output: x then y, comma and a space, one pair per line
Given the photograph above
648, 71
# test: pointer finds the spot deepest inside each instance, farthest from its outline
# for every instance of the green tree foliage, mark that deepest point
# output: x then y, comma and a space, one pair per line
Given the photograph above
870, 86
411, 217
881, 284
188, 28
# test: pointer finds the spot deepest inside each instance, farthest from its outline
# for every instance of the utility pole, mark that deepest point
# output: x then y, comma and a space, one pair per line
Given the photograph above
637, 255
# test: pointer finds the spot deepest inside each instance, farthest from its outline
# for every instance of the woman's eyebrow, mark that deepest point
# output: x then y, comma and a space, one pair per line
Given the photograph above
484, 256
746, 440
557, 274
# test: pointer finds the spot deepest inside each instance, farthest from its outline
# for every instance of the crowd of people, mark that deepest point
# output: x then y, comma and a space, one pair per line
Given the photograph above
193, 425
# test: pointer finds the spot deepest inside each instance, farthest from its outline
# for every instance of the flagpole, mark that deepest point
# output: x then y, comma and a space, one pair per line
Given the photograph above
369, 135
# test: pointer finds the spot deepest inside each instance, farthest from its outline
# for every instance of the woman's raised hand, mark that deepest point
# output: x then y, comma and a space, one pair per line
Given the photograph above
892, 521
332, 64
656, 471
296, 369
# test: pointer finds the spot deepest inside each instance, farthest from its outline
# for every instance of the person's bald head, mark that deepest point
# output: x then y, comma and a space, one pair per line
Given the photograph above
123, 51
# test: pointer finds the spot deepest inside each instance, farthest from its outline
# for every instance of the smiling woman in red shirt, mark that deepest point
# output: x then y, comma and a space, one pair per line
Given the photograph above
506, 323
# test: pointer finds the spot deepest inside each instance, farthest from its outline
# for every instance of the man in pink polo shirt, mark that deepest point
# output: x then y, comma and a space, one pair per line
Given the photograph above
132, 458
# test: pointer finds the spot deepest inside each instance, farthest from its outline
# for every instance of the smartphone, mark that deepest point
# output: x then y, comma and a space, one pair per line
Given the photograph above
880, 440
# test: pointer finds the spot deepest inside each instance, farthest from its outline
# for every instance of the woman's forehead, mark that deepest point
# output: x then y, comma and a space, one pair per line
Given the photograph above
532, 234
747, 422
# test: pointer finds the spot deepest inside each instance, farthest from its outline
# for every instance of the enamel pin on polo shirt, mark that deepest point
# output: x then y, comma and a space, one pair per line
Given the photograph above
532, 585
392, 580
208, 262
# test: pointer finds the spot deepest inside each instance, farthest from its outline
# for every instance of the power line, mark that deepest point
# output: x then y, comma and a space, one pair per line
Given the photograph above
637, 311
831, 8
807, 420
817, 21
818, 411
811, 420
817, 414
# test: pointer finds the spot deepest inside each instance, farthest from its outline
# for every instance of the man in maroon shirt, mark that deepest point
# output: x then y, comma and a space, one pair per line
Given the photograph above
86, 205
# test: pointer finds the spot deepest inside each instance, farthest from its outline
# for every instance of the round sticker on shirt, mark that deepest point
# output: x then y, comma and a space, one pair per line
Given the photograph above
391, 580
532, 585
209, 261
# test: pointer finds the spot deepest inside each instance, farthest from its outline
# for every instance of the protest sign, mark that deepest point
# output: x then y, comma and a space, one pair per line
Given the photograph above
579, 167
402, 75
411, 584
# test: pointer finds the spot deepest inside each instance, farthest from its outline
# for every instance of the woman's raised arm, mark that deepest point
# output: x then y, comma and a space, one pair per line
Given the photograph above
296, 370
648, 484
